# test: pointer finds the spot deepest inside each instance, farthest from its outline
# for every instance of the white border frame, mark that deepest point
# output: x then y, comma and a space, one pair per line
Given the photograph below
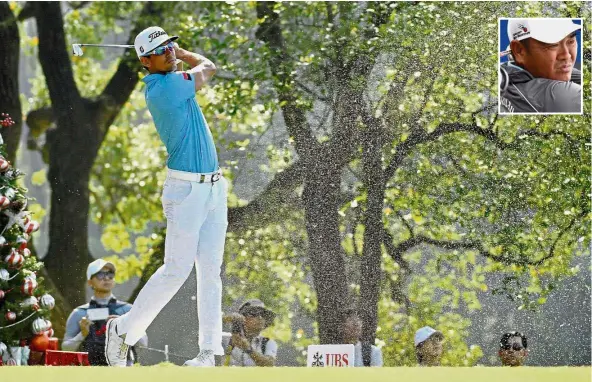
499, 61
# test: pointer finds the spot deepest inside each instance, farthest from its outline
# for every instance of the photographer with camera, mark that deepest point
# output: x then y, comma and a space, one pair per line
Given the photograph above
246, 346
85, 328
513, 349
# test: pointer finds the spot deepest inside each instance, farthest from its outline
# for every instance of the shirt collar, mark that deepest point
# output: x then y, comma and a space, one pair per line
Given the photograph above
103, 301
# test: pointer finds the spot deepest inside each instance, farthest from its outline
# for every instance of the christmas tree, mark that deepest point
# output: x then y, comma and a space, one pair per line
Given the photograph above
24, 304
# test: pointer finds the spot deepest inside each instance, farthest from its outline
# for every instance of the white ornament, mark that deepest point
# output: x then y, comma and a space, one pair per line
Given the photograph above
30, 274
39, 326
47, 301
4, 275
3, 348
10, 193
30, 302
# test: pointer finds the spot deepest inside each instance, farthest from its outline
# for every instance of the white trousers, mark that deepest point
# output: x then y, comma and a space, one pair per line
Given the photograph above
196, 216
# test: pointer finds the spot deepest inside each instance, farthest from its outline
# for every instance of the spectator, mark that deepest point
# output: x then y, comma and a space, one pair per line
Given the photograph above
85, 328
513, 349
365, 354
247, 347
428, 346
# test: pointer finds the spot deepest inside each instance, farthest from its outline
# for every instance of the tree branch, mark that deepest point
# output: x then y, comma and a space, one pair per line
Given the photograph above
408, 244
267, 205
419, 136
39, 120
397, 293
55, 61
270, 32
27, 12
311, 92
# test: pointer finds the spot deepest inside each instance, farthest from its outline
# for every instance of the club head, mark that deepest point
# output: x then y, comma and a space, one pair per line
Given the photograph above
77, 50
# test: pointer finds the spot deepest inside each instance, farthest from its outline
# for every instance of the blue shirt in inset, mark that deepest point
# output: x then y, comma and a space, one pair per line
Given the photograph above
180, 123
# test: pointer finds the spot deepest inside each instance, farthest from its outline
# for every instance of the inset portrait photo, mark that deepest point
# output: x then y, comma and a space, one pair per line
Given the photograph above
540, 66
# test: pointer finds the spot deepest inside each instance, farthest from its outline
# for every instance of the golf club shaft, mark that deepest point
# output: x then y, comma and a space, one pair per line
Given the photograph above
107, 45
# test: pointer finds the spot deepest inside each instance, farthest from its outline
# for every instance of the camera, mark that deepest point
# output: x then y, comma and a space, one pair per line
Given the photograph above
238, 327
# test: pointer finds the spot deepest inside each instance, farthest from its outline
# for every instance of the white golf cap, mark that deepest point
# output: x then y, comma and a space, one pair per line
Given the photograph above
424, 333
549, 31
149, 39
96, 266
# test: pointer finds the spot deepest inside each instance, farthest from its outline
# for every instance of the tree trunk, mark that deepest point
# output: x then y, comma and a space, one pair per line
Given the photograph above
72, 148
68, 253
9, 90
321, 199
373, 229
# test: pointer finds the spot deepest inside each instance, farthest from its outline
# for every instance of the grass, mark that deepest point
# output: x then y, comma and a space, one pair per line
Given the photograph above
171, 373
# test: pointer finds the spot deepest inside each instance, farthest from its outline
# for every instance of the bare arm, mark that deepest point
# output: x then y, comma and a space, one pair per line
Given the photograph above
202, 68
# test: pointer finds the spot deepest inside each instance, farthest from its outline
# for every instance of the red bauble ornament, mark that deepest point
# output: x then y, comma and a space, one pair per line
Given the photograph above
4, 164
26, 252
10, 316
29, 286
4, 201
2, 294
11, 362
14, 260
22, 243
29, 225
40, 342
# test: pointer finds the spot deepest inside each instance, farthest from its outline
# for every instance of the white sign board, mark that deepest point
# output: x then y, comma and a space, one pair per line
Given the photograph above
330, 356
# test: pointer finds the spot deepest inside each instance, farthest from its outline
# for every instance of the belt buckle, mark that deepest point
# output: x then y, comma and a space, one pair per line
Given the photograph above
216, 177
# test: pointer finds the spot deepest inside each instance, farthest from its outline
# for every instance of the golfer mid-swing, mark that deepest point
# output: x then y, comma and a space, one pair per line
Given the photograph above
193, 198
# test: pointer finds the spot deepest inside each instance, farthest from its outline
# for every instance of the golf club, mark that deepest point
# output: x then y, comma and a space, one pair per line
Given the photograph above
77, 49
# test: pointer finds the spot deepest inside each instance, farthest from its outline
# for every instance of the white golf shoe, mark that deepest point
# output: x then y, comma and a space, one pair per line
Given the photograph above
116, 349
205, 358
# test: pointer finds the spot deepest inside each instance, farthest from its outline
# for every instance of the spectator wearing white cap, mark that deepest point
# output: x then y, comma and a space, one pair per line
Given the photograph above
428, 346
85, 328
541, 78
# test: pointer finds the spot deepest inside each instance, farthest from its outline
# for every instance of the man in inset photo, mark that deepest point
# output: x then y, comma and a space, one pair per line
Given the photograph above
539, 76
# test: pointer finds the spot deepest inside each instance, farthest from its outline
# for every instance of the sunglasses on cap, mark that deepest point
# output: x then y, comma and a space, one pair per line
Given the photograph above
102, 275
159, 51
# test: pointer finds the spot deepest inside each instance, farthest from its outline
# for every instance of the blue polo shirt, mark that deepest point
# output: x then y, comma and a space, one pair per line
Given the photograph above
180, 123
